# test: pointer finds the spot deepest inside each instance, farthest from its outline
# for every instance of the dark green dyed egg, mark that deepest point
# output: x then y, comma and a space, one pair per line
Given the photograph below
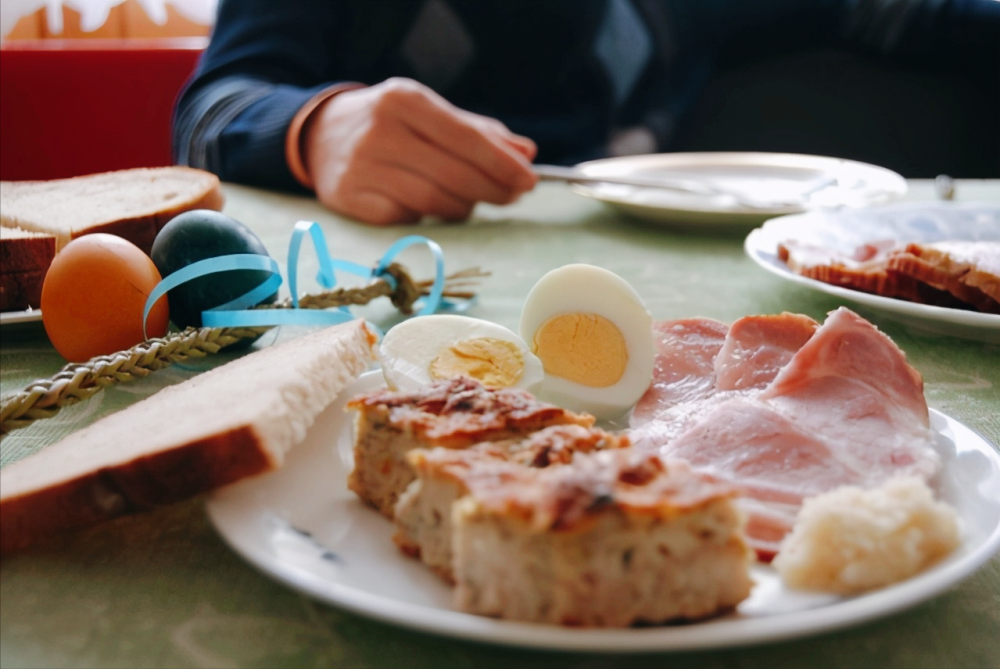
198, 235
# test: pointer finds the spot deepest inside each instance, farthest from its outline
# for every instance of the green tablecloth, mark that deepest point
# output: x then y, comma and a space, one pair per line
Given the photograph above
163, 590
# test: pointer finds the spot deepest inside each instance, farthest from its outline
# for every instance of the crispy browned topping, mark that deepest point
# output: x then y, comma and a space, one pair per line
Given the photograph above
462, 411
485, 463
558, 444
924, 273
554, 445
567, 498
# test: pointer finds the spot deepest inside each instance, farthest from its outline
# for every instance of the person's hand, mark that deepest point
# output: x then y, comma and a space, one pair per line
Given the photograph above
397, 151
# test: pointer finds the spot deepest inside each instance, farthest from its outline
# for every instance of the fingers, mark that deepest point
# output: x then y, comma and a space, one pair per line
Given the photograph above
397, 151
418, 193
437, 121
375, 208
382, 193
406, 150
523, 145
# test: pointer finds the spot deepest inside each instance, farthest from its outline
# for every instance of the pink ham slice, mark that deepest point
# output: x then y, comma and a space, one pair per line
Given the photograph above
758, 347
849, 353
775, 461
684, 368
702, 363
845, 409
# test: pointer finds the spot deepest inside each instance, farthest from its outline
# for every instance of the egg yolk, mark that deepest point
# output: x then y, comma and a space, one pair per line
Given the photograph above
492, 362
583, 348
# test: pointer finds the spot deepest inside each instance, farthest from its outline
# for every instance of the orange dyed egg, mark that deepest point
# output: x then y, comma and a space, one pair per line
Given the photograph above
94, 294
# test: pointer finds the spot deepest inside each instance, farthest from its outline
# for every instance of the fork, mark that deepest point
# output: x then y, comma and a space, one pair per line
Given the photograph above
680, 185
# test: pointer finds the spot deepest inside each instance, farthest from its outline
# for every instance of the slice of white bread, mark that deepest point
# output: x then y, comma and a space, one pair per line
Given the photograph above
234, 421
24, 259
133, 204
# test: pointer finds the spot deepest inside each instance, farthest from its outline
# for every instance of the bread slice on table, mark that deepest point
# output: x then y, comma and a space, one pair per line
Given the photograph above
613, 539
234, 421
133, 204
423, 513
454, 413
24, 259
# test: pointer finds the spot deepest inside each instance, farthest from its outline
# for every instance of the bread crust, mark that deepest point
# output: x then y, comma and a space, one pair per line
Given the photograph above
21, 290
26, 251
142, 230
24, 259
140, 485
234, 421
140, 225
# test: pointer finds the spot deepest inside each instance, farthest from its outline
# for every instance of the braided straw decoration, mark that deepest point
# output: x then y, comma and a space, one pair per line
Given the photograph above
79, 381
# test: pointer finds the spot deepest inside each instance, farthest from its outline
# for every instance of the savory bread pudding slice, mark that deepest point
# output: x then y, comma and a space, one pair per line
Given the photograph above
613, 539
451, 414
423, 514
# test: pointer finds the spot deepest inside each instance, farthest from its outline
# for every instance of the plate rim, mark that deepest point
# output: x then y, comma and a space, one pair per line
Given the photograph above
22, 316
707, 214
718, 634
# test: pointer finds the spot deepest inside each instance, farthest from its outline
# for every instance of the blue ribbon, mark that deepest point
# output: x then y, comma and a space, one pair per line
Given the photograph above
237, 312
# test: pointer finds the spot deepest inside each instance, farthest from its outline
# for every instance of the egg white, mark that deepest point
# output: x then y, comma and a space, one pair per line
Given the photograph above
408, 349
586, 289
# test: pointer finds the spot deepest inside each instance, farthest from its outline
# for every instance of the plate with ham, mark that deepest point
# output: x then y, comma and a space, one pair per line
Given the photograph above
784, 407
931, 265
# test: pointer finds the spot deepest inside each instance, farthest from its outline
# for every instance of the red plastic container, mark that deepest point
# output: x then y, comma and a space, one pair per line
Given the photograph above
74, 107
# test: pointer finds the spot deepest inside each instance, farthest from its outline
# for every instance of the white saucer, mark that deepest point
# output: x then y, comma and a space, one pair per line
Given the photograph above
769, 184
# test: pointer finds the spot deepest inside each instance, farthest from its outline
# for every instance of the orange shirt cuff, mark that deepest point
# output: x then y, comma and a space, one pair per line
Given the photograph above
293, 138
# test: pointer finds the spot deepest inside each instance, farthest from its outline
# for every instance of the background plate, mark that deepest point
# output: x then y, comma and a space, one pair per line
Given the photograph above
769, 179
19, 317
907, 222
302, 526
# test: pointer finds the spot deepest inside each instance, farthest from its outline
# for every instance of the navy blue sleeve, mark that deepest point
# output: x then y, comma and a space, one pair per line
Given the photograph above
266, 59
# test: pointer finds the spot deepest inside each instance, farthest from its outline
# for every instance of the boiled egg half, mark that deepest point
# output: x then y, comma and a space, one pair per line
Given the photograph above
594, 337
422, 350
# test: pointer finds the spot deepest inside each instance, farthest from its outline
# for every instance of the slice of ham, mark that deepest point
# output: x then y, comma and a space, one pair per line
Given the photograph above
968, 270
846, 409
847, 362
776, 462
757, 347
957, 275
684, 368
701, 363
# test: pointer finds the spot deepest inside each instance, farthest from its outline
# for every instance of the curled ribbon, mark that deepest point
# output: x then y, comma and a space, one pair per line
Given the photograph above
237, 312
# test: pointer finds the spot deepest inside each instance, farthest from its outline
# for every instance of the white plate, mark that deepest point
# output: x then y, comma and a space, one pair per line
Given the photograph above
302, 526
918, 222
769, 180
17, 317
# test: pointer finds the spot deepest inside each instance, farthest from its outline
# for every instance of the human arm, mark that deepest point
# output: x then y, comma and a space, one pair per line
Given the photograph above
397, 151
267, 60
